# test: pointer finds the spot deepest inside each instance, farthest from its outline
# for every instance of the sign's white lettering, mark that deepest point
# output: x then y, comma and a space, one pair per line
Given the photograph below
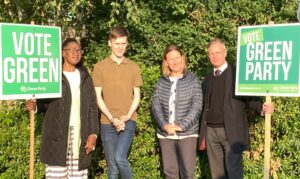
264, 60
33, 70
30, 43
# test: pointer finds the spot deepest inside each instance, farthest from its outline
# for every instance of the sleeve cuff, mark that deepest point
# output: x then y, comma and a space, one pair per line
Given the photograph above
95, 135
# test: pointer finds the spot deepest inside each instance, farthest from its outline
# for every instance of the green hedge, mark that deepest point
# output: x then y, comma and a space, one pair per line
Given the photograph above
14, 142
144, 154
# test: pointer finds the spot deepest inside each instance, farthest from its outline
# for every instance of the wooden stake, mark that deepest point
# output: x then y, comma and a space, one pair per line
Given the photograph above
31, 158
267, 155
267, 141
31, 161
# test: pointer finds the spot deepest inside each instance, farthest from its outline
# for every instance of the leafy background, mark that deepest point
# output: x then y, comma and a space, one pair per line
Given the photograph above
152, 25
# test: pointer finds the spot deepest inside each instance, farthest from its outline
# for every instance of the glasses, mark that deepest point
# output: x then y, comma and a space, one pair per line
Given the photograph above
216, 53
74, 51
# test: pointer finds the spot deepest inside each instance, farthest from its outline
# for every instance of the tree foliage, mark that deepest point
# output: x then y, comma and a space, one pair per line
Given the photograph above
152, 25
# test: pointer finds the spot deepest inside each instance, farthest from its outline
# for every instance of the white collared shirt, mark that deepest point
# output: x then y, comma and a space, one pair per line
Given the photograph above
222, 68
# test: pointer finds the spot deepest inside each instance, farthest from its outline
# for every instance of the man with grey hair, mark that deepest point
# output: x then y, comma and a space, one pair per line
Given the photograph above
224, 125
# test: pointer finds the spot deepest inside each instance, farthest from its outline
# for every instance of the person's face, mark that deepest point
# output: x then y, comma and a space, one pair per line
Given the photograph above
217, 54
118, 46
72, 53
175, 61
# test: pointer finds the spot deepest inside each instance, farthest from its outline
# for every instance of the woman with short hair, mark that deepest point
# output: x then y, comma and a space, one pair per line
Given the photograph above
70, 124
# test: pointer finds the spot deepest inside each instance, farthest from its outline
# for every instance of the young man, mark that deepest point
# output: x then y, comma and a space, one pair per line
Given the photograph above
117, 83
224, 123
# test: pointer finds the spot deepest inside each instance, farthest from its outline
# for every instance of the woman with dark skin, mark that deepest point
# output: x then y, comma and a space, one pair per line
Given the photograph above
70, 124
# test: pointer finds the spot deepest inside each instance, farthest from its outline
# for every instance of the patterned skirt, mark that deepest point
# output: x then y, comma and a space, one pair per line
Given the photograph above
71, 170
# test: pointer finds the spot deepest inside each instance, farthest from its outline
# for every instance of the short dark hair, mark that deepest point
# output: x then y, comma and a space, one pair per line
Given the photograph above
67, 41
118, 31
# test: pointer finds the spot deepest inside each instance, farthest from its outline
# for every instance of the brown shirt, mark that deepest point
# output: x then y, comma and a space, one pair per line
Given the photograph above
117, 82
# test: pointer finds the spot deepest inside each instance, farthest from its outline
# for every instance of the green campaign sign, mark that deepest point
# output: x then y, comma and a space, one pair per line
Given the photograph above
31, 65
268, 60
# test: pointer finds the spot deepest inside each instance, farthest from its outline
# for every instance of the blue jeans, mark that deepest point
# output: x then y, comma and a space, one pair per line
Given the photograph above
116, 146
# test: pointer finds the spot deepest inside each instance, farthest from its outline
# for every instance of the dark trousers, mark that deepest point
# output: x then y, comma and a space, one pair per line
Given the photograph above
179, 157
223, 161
